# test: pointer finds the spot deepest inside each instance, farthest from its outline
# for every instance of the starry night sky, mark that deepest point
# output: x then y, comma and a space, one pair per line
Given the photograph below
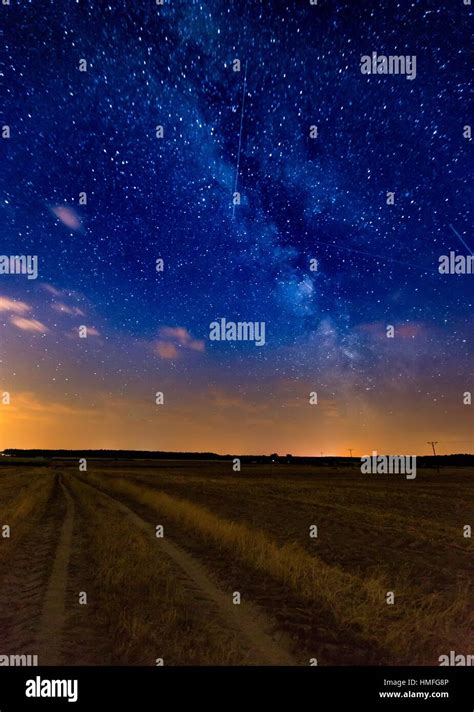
171, 198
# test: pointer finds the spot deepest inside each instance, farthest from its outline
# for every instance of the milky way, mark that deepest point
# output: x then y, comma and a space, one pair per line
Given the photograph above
138, 107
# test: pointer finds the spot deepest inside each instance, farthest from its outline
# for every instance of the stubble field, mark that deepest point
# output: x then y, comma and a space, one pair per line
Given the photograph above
144, 563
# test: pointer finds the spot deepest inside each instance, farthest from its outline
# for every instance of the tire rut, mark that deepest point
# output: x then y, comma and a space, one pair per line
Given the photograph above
53, 614
245, 619
22, 585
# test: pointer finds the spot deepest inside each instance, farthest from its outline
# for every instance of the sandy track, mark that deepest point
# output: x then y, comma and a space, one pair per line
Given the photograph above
245, 619
53, 614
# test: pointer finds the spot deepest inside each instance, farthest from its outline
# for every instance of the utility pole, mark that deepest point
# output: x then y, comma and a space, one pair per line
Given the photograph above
350, 450
433, 443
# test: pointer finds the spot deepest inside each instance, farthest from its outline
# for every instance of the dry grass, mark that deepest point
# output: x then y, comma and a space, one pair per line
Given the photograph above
416, 627
23, 501
251, 532
144, 612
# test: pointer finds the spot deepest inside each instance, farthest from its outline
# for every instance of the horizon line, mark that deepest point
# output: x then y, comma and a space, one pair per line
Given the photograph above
228, 454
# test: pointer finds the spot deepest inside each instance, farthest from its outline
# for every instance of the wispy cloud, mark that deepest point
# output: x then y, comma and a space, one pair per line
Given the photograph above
166, 350
65, 309
29, 324
52, 290
174, 338
91, 331
67, 216
377, 330
13, 306
30, 406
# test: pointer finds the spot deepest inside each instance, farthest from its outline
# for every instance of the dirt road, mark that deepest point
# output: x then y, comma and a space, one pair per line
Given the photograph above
245, 619
39, 608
